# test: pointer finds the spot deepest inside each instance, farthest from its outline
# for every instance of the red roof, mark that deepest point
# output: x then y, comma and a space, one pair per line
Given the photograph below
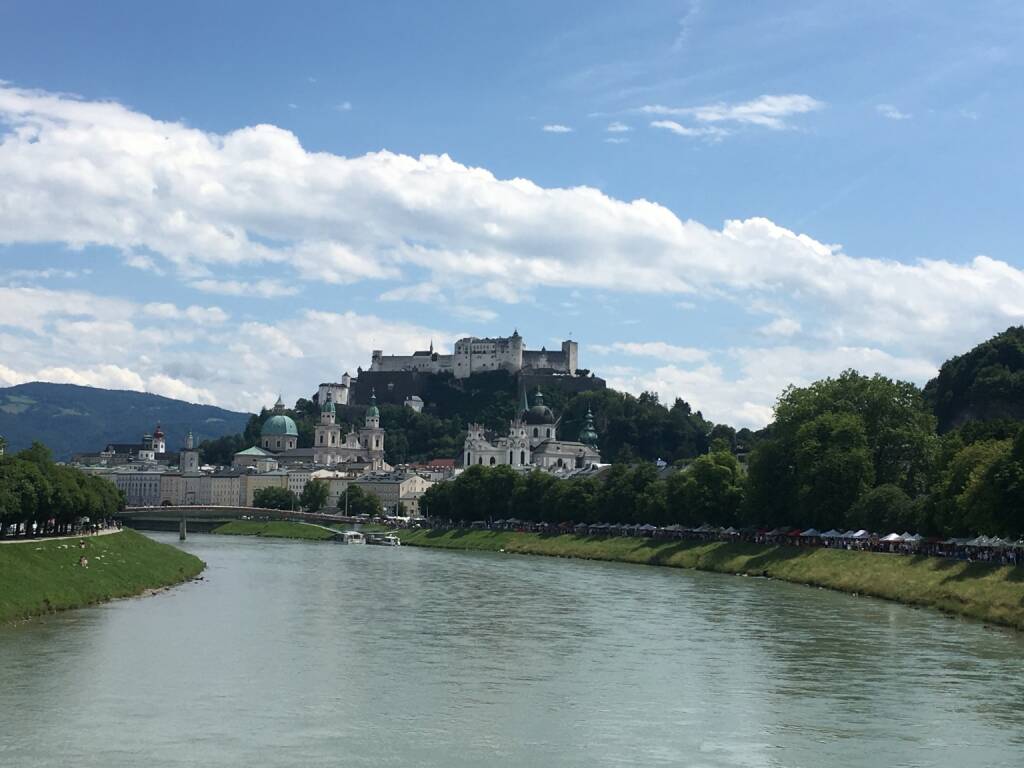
442, 463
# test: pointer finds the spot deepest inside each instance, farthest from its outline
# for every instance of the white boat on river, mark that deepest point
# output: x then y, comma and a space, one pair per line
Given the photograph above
383, 539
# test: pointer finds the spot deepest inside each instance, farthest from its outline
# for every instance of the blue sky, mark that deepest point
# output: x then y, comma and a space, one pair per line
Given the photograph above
222, 201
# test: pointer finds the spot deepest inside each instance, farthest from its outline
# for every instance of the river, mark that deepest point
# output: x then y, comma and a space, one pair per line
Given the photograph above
300, 654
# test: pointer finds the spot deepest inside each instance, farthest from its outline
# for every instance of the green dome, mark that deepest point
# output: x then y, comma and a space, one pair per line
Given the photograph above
373, 411
588, 435
279, 425
328, 406
539, 413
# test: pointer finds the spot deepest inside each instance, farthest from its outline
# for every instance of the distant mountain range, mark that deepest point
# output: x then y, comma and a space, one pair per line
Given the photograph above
71, 419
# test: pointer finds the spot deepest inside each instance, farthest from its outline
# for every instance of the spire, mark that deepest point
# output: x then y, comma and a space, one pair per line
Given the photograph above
524, 406
328, 406
588, 435
373, 412
538, 399
279, 405
431, 346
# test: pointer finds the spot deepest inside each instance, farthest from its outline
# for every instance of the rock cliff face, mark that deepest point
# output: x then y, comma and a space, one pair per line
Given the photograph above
70, 419
983, 384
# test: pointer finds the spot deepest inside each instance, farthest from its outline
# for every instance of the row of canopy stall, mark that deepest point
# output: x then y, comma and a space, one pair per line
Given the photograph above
782, 534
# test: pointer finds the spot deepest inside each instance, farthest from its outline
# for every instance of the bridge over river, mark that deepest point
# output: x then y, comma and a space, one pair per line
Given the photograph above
207, 517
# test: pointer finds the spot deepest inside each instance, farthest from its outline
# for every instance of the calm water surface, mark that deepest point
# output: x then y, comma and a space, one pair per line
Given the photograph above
298, 654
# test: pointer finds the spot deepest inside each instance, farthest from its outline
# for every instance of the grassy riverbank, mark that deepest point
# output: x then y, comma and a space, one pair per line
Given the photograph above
38, 577
274, 529
989, 593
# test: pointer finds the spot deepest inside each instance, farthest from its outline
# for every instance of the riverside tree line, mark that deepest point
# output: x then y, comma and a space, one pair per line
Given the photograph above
849, 452
36, 492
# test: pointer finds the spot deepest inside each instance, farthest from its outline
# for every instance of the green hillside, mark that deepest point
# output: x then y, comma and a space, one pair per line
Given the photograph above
68, 418
984, 384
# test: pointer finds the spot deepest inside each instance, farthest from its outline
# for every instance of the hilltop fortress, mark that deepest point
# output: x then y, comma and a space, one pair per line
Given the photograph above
415, 380
473, 355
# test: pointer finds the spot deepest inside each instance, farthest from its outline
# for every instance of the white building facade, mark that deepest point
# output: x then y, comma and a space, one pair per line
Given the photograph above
532, 442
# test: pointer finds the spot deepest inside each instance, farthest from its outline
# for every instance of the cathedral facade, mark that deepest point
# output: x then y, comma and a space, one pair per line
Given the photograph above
532, 441
330, 446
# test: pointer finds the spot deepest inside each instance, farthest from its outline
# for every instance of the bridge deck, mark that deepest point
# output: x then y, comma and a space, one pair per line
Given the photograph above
212, 512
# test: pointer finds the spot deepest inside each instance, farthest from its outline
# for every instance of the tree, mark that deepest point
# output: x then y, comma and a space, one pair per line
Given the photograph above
898, 429
884, 508
360, 502
35, 490
38, 454
996, 498
985, 383
314, 495
710, 490
772, 484
221, 452
833, 468
958, 503
275, 498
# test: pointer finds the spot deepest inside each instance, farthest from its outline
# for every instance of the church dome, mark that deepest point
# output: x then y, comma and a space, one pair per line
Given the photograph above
328, 406
588, 435
373, 411
539, 413
279, 425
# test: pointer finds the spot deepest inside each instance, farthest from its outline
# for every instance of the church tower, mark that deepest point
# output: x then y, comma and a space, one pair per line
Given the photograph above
327, 435
159, 441
371, 436
188, 461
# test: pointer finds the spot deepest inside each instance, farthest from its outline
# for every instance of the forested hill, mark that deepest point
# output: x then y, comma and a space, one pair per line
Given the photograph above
69, 419
629, 428
984, 384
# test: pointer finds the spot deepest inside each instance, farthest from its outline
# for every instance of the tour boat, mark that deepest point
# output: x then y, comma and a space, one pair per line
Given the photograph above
383, 539
351, 537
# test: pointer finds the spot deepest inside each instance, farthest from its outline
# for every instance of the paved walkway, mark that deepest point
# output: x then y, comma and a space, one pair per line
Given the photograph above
23, 540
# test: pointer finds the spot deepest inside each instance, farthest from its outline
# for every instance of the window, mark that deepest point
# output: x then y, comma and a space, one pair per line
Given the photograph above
535, 432
510, 457
479, 459
278, 443
492, 461
522, 457
549, 433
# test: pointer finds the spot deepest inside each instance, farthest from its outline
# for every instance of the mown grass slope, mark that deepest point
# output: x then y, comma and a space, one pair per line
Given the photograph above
38, 577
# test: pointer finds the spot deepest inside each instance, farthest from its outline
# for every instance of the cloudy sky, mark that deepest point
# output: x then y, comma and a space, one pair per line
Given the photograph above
220, 202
